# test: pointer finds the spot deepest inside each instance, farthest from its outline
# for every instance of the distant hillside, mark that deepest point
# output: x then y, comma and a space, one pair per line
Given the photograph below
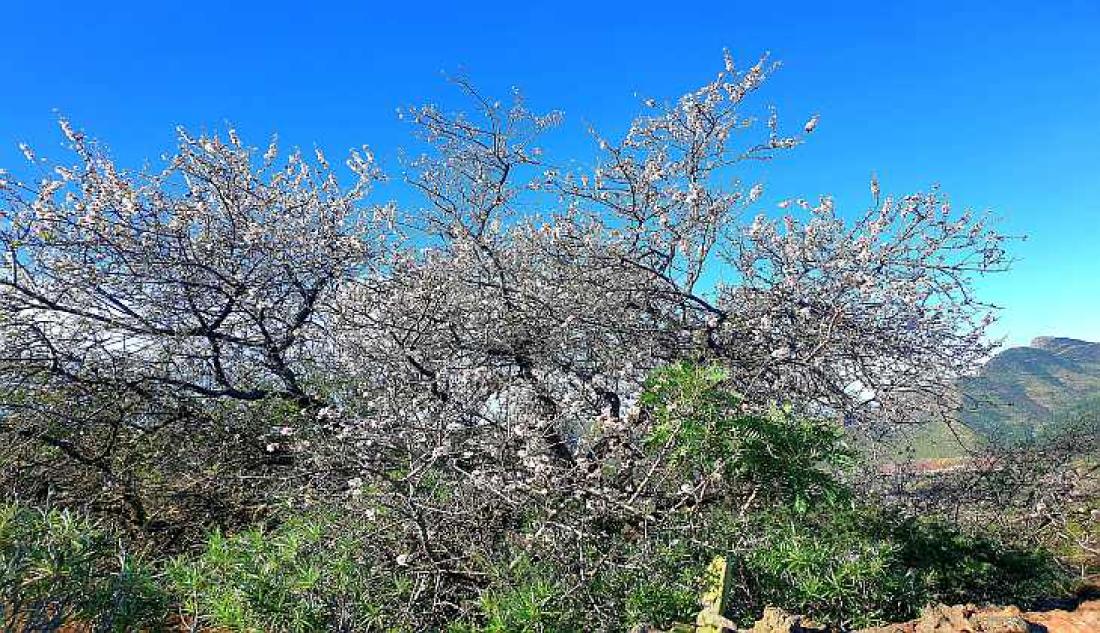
1024, 391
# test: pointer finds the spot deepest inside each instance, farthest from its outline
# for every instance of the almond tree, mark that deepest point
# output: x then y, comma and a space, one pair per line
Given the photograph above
467, 373
514, 346
136, 306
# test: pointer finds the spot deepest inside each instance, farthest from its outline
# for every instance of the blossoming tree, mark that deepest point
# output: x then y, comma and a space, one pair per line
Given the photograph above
490, 344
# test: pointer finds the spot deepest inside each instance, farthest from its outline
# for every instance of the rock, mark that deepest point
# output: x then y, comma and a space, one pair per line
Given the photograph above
1084, 619
905, 627
970, 619
941, 618
934, 619
779, 621
1000, 624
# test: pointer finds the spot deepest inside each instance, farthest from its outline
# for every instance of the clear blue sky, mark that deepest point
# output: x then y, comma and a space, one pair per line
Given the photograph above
999, 105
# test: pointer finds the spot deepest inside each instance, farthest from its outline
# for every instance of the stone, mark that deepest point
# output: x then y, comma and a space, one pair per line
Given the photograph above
779, 621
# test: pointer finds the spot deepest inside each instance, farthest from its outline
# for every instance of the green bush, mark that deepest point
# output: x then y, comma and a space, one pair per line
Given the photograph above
535, 596
311, 573
657, 581
783, 456
525, 597
56, 567
855, 566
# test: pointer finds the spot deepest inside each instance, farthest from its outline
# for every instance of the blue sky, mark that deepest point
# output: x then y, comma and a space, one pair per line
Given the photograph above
999, 105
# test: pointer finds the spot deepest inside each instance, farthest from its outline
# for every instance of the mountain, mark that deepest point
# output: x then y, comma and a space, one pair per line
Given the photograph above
1023, 392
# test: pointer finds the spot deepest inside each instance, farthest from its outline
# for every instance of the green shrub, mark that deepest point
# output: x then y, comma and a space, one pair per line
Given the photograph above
56, 567
535, 596
960, 567
308, 574
855, 566
659, 581
783, 456
525, 598
662, 599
